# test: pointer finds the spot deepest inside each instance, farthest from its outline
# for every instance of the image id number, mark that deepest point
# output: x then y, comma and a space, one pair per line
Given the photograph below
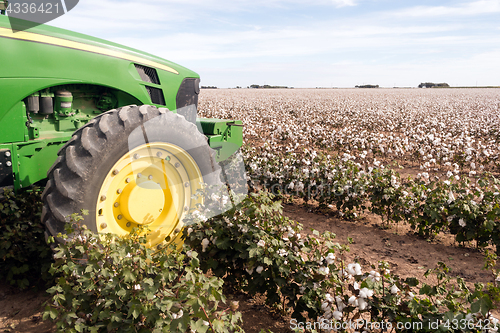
27, 7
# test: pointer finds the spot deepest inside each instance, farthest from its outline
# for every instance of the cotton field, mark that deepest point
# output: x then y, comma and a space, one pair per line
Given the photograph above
431, 129
425, 157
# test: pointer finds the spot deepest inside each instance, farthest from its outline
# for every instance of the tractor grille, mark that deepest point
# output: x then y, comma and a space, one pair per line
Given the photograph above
147, 74
156, 95
187, 98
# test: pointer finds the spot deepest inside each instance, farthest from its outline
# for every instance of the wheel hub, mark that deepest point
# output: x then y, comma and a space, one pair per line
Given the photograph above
153, 186
142, 204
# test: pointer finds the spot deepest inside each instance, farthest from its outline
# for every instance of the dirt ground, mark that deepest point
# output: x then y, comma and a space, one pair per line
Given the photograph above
407, 254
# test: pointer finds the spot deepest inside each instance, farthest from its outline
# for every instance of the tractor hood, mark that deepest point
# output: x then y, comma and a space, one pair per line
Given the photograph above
73, 40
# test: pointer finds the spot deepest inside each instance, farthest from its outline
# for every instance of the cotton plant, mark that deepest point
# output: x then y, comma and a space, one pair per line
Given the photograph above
113, 283
429, 203
309, 277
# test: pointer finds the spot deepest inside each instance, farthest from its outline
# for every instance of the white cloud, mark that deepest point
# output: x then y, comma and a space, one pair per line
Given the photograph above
467, 9
207, 34
295, 41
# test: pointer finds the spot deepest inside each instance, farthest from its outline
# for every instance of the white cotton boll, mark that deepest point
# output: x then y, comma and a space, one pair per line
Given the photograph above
177, 315
353, 301
337, 315
324, 270
204, 244
340, 304
325, 306
259, 269
394, 289
362, 304
197, 214
462, 223
351, 270
357, 269
330, 258
261, 243
451, 197
374, 276
282, 252
365, 293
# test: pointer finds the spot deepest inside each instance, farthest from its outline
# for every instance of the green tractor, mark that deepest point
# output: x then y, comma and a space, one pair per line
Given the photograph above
110, 129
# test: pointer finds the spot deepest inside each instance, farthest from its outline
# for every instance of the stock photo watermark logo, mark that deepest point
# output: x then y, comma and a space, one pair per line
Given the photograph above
26, 14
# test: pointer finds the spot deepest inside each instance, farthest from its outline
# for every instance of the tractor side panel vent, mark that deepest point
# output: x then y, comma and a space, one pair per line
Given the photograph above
147, 74
187, 98
156, 95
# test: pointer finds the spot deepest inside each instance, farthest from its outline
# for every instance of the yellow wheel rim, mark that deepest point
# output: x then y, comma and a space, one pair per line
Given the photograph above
153, 185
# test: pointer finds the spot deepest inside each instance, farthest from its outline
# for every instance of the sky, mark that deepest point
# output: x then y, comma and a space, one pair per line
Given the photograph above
307, 44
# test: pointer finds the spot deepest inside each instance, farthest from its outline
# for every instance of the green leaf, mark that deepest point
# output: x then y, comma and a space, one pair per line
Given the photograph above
128, 276
482, 305
253, 252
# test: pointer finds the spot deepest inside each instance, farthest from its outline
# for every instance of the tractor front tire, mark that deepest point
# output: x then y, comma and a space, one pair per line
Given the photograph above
128, 167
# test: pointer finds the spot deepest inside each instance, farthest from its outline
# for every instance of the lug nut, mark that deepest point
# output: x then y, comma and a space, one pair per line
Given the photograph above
186, 208
103, 197
129, 224
119, 217
115, 172
104, 225
7, 153
177, 164
9, 163
119, 191
159, 154
186, 184
177, 230
150, 177
136, 156
116, 204
127, 180
139, 175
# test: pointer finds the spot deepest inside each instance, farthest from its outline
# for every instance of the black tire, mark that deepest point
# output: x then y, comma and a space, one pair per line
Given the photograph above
85, 163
